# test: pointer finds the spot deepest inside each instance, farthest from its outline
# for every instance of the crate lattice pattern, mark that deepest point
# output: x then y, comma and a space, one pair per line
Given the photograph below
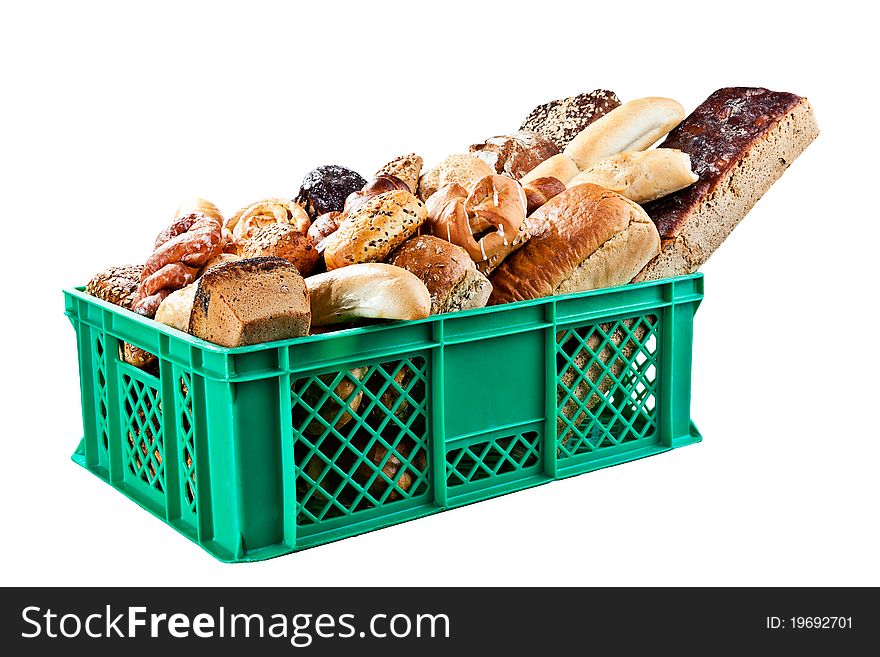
606, 385
100, 370
491, 458
142, 415
186, 434
360, 438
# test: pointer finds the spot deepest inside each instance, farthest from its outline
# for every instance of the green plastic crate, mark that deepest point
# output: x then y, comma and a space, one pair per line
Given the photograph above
260, 451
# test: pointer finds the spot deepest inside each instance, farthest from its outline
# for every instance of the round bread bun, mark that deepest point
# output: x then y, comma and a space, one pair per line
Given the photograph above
217, 260
175, 309
283, 241
461, 168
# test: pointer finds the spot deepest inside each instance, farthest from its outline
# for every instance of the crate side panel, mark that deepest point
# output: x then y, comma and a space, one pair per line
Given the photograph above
493, 382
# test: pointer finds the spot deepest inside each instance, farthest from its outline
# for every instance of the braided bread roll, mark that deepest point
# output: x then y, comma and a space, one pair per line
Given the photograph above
180, 251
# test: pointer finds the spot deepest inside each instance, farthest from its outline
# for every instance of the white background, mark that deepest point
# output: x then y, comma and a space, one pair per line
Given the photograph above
114, 113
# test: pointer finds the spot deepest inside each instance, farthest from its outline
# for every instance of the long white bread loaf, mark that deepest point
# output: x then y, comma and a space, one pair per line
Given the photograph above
633, 126
641, 176
367, 291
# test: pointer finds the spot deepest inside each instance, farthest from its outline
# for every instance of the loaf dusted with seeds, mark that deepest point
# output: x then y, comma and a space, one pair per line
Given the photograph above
561, 120
374, 229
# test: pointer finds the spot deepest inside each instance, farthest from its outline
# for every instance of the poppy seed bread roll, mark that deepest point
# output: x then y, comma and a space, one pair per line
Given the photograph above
585, 238
374, 229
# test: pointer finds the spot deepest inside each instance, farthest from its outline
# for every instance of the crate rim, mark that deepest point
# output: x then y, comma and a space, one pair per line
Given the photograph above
78, 292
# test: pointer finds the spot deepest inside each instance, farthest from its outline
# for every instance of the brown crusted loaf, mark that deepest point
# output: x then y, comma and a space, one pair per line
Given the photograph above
374, 229
517, 154
560, 120
250, 301
541, 190
740, 140
587, 237
447, 271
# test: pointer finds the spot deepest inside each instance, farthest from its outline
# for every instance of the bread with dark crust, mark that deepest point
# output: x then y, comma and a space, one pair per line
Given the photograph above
740, 141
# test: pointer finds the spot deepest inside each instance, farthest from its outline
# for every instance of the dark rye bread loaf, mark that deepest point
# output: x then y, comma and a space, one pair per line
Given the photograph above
740, 141
561, 120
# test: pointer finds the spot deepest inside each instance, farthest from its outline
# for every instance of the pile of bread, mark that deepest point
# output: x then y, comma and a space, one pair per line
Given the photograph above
576, 199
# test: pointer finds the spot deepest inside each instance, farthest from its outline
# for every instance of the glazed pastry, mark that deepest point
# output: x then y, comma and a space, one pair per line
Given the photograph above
325, 189
494, 210
180, 251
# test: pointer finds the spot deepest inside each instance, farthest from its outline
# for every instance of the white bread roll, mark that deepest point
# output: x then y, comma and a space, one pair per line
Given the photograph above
641, 176
633, 126
559, 166
176, 308
367, 291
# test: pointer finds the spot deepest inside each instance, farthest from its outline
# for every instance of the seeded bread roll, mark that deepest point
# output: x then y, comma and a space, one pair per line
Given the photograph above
461, 168
447, 271
561, 120
516, 154
586, 238
740, 141
633, 126
406, 167
283, 241
116, 285
119, 285
250, 301
367, 291
374, 229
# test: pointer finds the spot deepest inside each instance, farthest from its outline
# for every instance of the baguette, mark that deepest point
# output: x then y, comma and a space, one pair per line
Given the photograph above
641, 176
633, 126
367, 291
